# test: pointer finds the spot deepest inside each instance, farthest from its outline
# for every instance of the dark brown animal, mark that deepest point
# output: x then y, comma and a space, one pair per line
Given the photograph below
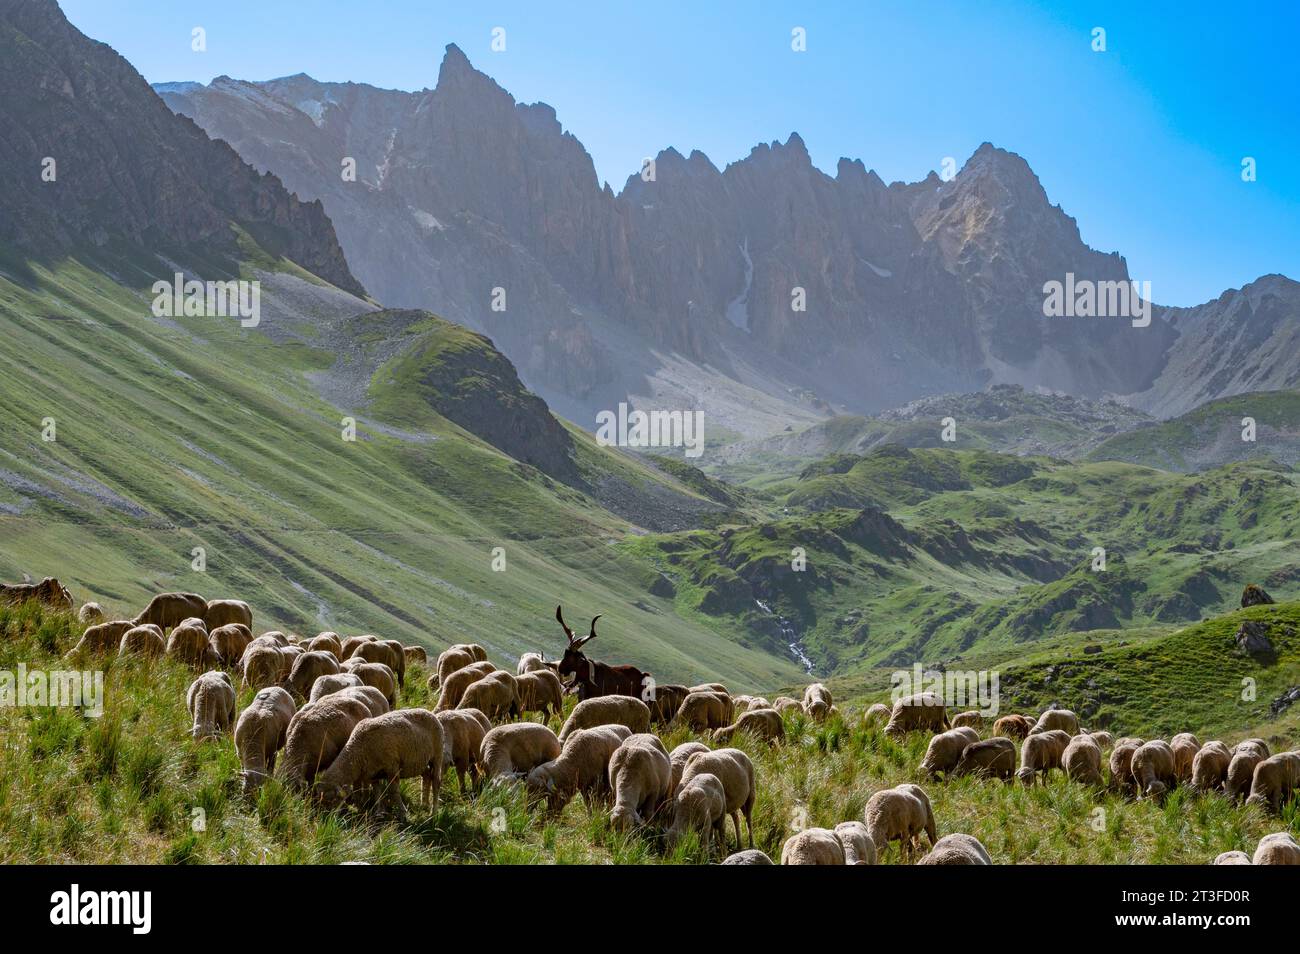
590, 678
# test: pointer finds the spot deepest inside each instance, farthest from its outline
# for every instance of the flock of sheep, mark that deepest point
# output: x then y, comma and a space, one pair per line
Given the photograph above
325, 721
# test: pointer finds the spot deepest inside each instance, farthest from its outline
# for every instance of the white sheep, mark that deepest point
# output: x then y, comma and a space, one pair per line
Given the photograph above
211, 702
859, 849
700, 805
496, 695
995, 758
462, 740
530, 662
1081, 760
1185, 746
763, 724
817, 702
640, 774
945, 750
1241, 768
704, 710
750, 856
1279, 848
680, 756
582, 767
1274, 780
457, 681
324, 685
511, 751
307, 668
261, 732
1040, 753
1153, 768
922, 711
385, 749
1062, 719
317, 733
899, 814
1210, 766
607, 710
540, 690
957, 849
733, 768
813, 846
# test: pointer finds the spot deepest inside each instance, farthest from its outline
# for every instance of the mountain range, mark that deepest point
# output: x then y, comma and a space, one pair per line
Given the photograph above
678, 290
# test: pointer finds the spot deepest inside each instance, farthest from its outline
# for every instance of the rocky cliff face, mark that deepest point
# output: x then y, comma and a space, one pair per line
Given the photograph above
124, 167
911, 289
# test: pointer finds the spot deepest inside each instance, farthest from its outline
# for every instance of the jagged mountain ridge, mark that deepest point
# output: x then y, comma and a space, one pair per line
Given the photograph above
913, 289
124, 167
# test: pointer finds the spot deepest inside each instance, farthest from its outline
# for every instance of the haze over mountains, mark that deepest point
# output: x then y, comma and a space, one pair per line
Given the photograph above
677, 292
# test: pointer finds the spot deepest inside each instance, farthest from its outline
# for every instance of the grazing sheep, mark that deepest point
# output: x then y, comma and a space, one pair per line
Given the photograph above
1153, 769
876, 714
859, 849
702, 711
144, 640
750, 856
994, 757
1274, 780
733, 768
326, 642
1279, 848
333, 682
750, 703
352, 643
375, 651
450, 660
680, 756
540, 690
307, 668
700, 805
817, 702
1232, 858
582, 767
784, 704
211, 701
317, 733
1081, 760
641, 775
462, 740
262, 665
813, 846
945, 749
1121, 764
188, 644
168, 609
762, 724
1013, 727
368, 696
90, 614
496, 695
415, 654
970, 718
530, 662
514, 750
261, 732
1062, 719
1041, 753
919, 794
893, 814
920, 711
476, 652
1185, 746
666, 701
454, 686
1241, 769
101, 638
1103, 739
957, 849
608, 710
385, 749
1210, 766
220, 612
380, 676
709, 687
274, 636
228, 643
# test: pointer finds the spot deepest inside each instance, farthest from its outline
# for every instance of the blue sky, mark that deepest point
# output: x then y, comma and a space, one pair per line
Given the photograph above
1142, 143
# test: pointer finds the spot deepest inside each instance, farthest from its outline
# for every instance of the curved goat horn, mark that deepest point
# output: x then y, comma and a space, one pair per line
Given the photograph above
590, 635
565, 626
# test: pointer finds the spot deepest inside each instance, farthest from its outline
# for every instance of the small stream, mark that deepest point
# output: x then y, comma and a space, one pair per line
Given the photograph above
791, 636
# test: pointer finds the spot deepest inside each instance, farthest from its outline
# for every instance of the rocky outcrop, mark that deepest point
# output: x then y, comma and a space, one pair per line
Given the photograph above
124, 167
1252, 638
1254, 595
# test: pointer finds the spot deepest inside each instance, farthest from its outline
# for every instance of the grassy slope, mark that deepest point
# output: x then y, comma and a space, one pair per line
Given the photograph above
201, 434
1210, 435
124, 788
980, 550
